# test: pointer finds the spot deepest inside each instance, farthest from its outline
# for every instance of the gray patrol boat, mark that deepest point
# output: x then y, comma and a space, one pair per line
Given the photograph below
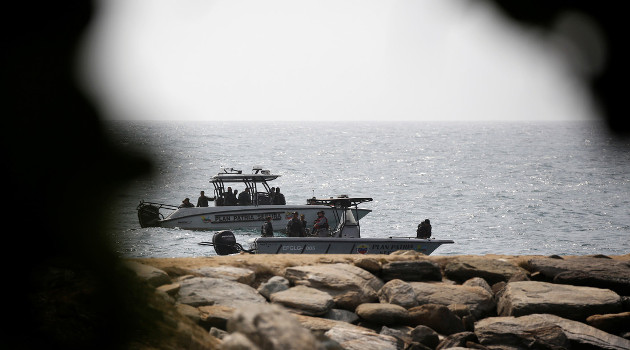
345, 238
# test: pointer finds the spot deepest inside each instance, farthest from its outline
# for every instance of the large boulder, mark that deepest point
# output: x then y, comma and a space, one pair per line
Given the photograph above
349, 285
231, 273
401, 334
273, 285
383, 314
271, 327
611, 323
321, 325
478, 282
479, 301
537, 327
492, 270
304, 300
214, 315
369, 264
398, 292
200, 291
189, 311
355, 338
600, 272
414, 270
152, 275
463, 312
438, 317
520, 333
573, 302
425, 336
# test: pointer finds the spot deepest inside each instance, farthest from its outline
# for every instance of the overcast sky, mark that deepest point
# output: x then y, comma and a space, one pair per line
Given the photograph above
324, 60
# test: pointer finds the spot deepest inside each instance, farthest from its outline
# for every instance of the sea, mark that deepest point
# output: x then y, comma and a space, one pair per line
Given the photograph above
514, 188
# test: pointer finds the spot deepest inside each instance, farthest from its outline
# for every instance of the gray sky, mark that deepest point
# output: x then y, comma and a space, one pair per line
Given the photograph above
407, 60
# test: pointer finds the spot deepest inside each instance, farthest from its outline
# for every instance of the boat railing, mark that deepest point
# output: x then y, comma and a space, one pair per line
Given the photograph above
158, 205
342, 202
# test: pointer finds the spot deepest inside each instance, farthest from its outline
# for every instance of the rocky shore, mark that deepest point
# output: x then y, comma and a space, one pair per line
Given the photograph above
400, 301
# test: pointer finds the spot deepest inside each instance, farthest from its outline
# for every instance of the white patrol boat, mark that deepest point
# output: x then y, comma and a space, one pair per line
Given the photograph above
344, 239
234, 217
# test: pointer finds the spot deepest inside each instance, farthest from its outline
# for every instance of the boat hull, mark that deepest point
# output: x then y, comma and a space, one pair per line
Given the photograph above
247, 217
316, 245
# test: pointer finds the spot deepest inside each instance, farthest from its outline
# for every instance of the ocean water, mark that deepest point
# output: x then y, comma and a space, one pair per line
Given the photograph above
493, 188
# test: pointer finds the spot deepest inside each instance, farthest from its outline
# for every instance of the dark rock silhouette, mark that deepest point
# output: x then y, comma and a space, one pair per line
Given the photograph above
60, 172
606, 84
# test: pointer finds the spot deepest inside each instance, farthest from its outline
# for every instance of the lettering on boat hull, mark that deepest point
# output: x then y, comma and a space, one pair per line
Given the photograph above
298, 248
244, 217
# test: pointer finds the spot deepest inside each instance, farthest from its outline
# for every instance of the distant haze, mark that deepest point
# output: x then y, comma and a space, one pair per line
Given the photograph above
325, 60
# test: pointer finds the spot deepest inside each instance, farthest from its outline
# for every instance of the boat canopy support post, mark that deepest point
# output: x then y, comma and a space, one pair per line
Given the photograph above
251, 182
219, 189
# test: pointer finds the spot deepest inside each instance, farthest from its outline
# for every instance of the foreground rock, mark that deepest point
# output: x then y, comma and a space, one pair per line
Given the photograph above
267, 327
304, 300
417, 270
438, 317
611, 323
544, 331
383, 314
273, 285
349, 285
600, 272
331, 302
398, 292
361, 339
200, 291
241, 275
491, 270
576, 303
153, 276
480, 302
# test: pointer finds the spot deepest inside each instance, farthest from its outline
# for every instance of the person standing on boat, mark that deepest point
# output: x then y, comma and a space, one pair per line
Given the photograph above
267, 228
295, 227
230, 198
424, 229
321, 223
271, 194
202, 201
244, 198
186, 204
278, 198
304, 224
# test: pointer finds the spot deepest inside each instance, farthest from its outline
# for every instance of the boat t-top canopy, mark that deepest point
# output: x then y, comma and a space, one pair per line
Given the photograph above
342, 201
232, 175
259, 176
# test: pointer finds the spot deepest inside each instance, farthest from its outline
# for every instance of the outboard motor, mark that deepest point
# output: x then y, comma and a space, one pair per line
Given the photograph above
148, 215
224, 243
